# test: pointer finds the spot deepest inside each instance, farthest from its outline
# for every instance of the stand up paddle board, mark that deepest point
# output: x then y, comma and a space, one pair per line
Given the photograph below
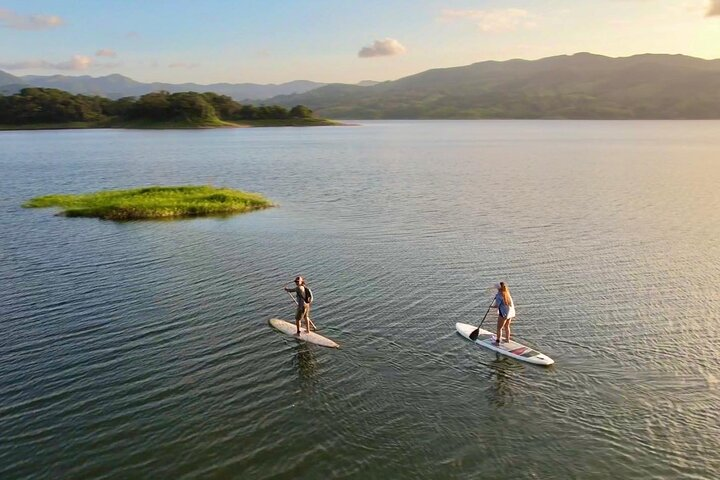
512, 349
311, 337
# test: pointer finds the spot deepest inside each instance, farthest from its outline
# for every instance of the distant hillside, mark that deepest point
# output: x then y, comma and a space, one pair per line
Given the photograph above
7, 79
118, 86
11, 88
10, 84
578, 86
111, 86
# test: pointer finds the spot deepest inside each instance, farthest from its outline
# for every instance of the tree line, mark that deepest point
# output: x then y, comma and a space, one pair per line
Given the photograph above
50, 105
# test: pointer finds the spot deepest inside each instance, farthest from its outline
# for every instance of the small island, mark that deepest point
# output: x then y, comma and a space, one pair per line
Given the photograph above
154, 202
50, 108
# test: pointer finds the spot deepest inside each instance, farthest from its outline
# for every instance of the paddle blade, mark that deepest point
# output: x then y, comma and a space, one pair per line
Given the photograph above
474, 334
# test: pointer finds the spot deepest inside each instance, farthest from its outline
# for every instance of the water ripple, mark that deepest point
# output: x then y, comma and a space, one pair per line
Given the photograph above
142, 348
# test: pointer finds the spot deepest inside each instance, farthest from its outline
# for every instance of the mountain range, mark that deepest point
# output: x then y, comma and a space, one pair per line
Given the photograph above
583, 85
117, 86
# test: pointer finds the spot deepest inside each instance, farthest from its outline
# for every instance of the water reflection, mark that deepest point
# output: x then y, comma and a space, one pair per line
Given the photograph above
307, 366
502, 370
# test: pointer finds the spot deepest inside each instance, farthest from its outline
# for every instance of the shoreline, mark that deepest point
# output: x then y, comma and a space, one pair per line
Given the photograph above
172, 125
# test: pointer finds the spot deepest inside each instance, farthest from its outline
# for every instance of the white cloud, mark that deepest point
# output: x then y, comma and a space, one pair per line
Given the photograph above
10, 19
714, 8
492, 20
77, 62
106, 52
382, 48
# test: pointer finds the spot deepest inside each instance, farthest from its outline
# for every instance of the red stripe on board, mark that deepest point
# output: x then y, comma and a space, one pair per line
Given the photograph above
519, 351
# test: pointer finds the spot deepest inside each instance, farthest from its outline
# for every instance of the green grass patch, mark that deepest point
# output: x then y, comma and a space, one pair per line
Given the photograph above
154, 202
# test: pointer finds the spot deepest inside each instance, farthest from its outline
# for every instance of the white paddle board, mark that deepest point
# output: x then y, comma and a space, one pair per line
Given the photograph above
512, 348
310, 337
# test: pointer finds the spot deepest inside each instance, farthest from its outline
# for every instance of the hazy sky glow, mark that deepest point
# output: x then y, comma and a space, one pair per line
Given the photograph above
334, 41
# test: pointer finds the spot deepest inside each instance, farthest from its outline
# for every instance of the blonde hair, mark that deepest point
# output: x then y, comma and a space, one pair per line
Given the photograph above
505, 292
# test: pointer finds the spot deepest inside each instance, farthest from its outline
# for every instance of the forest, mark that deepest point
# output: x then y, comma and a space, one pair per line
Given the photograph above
52, 106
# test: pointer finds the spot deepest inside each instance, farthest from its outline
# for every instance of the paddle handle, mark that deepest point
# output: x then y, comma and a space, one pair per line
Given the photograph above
291, 297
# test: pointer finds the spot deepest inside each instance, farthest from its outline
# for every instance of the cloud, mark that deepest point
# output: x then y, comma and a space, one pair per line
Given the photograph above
714, 8
382, 48
10, 19
106, 52
492, 20
77, 62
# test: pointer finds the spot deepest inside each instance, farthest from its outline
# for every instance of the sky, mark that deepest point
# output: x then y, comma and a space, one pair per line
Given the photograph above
348, 41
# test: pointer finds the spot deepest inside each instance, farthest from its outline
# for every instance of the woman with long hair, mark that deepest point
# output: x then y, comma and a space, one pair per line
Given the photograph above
506, 311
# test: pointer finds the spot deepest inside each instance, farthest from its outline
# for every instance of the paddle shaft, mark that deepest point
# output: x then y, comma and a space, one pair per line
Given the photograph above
474, 333
291, 297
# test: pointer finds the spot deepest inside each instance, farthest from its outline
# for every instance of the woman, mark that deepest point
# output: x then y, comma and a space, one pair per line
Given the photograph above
506, 311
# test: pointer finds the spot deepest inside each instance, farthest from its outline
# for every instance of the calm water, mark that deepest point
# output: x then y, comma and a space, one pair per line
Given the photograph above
142, 350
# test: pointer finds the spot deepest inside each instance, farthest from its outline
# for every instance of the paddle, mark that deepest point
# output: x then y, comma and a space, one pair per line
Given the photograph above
474, 333
312, 324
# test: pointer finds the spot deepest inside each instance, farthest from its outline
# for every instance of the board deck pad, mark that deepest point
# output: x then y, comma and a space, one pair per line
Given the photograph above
310, 337
511, 349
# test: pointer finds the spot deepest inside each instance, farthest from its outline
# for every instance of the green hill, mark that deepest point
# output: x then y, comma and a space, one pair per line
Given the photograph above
578, 86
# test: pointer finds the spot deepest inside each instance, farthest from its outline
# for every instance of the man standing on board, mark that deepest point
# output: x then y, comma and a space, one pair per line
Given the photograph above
303, 298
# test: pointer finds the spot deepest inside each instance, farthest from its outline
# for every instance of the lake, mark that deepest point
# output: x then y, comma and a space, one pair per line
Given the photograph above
142, 349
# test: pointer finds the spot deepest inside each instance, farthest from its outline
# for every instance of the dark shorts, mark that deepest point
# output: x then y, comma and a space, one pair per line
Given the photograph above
302, 312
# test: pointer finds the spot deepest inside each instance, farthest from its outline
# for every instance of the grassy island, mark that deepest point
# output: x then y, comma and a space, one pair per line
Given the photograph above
154, 202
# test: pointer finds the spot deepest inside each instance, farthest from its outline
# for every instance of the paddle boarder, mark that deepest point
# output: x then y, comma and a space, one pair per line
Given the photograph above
303, 298
506, 311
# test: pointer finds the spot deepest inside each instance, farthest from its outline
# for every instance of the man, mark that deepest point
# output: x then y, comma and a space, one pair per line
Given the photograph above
303, 297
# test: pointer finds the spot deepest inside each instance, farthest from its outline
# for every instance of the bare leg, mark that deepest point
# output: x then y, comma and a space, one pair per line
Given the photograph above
297, 325
498, 333
310, 324
507, 329
306, 310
